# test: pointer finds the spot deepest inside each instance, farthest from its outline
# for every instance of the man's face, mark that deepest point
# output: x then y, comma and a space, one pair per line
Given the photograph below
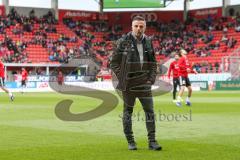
183, 53
138, 28
176, 57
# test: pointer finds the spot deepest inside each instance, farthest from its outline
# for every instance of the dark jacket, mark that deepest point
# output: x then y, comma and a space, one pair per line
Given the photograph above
125, 63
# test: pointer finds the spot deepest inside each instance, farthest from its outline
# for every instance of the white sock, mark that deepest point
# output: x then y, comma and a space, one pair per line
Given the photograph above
188, 99
10, 94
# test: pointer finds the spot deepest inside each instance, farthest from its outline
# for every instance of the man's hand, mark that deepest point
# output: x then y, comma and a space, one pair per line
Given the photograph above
149, 82
169, 79
188, 70
195, 71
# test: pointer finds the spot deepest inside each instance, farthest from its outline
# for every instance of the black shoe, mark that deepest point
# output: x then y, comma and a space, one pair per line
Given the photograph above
132, 146
11, 97
154, 146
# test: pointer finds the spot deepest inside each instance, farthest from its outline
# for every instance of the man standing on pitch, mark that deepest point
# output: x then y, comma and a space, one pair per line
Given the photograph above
24, 78
134, 64
174, 69
2, 78
184, 69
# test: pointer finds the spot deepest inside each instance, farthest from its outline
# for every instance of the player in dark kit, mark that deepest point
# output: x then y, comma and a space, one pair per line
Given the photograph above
174, 69
60, 78
2, 78
24, 78
184, 69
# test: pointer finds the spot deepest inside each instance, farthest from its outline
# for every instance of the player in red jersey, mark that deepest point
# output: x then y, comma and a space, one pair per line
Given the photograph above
60, 78
2, 78
24, 78
174, 69
184, 69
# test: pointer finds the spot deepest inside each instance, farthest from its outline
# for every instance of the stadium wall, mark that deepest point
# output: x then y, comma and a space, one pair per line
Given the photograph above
121, 17
125, 17
34, 86
161, 16
39, 12
78, 15
41, 83
204, 13
96, 86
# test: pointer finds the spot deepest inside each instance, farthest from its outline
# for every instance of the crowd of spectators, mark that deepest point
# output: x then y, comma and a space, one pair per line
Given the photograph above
205, 67
96, 37
58, 50
169, 37
13, 52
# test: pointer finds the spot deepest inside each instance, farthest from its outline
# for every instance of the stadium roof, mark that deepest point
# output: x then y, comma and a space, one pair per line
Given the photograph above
92, 5
195, 4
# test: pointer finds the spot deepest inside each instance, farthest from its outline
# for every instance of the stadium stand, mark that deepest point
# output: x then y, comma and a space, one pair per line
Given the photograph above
206, 40
35, 40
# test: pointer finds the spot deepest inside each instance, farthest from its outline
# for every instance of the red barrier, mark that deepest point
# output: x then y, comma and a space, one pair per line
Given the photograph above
121, 17
125, 17
2, 11
78, 15
204, 13
160, 16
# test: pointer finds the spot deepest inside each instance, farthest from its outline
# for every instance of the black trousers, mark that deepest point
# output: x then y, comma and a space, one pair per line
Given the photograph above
176, 83
146, 100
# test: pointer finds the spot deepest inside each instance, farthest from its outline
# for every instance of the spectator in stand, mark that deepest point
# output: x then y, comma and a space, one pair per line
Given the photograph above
197, 66
219, 27
32, 15
210, 67
209, 37
211, 28
224, 38
231, 42
225, 30
217, 45
2, 27
237, 27
217, 67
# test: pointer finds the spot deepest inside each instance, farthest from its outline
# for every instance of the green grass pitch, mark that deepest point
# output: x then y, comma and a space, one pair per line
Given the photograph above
133, 4
29, 130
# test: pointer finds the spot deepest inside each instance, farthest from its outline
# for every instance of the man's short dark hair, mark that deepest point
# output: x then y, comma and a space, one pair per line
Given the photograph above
176, 53
179, 54
138, 18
